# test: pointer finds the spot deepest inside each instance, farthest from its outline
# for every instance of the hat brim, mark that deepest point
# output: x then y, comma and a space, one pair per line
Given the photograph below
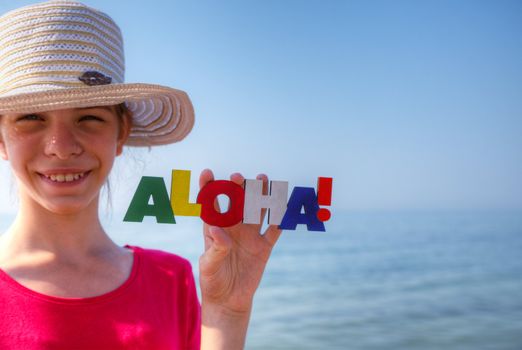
160, 114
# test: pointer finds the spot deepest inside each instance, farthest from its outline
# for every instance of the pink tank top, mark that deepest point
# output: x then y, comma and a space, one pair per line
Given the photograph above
155, 308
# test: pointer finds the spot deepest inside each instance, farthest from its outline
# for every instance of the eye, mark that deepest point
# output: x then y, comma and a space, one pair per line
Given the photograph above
29, 117
91, 117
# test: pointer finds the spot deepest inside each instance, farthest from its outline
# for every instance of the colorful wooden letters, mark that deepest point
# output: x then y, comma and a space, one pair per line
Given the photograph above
207, 197
255, 201
245, 203
179, 194
150, 187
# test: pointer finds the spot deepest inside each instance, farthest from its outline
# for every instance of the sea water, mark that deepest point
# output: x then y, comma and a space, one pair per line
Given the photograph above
376, 280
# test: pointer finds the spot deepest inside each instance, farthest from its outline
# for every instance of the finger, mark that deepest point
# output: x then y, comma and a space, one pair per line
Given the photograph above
207, 238
218, 250
237, 178
205, 177
272, 234
263, 178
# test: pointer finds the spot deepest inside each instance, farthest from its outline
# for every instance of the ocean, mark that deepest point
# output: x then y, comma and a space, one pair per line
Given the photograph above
376, 280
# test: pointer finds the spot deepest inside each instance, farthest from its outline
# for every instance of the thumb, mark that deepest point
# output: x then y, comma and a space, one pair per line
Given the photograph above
218, 249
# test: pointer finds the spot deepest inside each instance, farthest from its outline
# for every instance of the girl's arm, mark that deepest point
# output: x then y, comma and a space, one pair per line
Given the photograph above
222, 329
230, 271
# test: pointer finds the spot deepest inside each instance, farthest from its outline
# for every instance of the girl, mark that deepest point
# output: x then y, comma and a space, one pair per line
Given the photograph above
65, 114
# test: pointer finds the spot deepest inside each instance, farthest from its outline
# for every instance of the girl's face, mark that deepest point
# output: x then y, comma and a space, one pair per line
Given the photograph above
62, 158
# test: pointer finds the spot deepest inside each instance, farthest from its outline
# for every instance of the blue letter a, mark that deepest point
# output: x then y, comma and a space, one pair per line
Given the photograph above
302, 197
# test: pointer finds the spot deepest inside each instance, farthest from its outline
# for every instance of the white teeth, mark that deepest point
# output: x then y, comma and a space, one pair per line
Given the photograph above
65, 177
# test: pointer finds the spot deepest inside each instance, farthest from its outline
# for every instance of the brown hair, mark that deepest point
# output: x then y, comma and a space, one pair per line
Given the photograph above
122, 112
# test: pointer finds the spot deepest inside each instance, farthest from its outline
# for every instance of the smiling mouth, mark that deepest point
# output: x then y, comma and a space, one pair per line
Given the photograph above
68, 177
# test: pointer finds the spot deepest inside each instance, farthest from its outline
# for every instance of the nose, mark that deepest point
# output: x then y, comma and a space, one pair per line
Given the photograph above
61, 142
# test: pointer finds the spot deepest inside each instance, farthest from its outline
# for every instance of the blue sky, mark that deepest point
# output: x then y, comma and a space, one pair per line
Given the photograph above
407, 104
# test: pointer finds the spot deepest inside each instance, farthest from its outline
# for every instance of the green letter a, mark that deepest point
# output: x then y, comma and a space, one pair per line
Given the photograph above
139, 208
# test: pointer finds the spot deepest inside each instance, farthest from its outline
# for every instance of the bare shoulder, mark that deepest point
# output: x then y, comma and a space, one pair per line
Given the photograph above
90, 278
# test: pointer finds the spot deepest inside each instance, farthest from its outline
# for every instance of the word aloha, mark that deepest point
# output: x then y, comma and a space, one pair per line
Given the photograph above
245, 202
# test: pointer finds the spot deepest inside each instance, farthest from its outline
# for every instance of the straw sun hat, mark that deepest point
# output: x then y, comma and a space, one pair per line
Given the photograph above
62, 54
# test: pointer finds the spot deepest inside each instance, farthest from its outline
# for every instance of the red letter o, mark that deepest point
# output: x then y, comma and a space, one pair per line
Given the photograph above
207, 195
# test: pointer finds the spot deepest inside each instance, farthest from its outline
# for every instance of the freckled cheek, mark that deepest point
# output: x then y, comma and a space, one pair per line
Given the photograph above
19, 147
106, 148
20, 164
109, 144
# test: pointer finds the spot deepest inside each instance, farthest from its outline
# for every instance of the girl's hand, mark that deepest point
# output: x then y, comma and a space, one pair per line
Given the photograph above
235, 257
